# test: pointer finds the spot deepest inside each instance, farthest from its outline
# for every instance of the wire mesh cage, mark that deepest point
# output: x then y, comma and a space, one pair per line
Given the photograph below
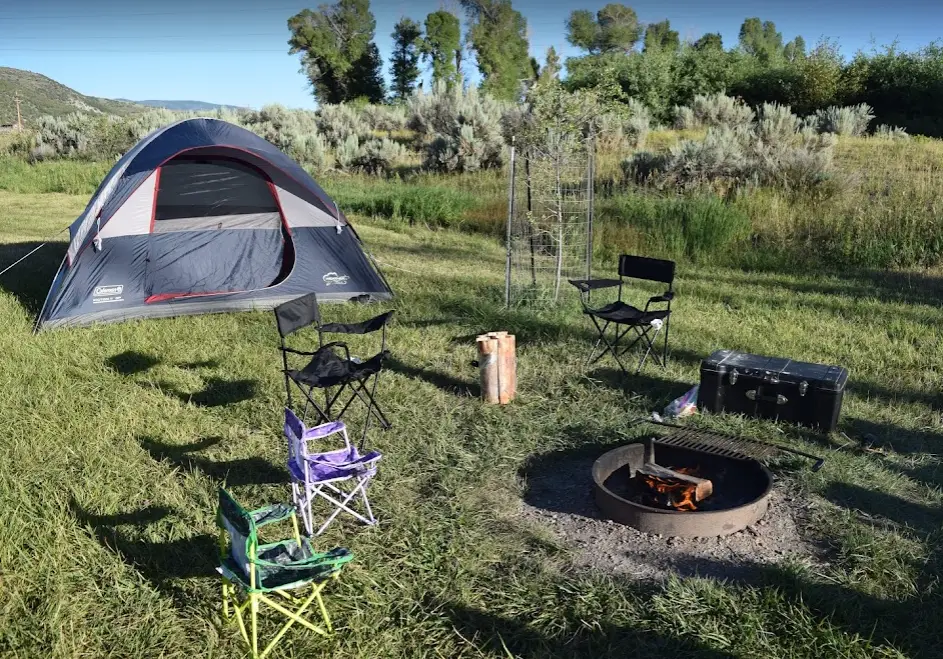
550, 218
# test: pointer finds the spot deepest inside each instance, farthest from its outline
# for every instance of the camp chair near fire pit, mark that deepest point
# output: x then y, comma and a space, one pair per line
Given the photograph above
331, 365
252, 573
339, 476
646, 323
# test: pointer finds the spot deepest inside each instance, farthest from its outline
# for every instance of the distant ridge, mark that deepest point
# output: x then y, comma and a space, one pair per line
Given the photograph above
184, 105
40, 96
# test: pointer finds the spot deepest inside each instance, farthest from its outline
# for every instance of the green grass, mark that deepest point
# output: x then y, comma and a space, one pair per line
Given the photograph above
116, 437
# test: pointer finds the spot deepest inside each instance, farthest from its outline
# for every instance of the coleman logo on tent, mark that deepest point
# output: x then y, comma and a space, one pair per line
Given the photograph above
108, 291
107, 294
334, 278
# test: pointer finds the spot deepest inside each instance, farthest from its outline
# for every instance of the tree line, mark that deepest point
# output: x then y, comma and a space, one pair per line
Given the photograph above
621, 57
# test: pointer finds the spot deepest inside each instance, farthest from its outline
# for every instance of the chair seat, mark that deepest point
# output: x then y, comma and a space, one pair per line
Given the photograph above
335, 465
289, 570
625, 314
328, 369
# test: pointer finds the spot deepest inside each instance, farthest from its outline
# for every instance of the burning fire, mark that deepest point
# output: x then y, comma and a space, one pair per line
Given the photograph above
677, 495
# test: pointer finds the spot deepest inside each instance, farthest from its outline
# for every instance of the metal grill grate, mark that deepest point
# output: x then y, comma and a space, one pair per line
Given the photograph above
724, 445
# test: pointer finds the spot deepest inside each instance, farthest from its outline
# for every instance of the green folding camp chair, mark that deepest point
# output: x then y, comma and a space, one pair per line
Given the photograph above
252, 572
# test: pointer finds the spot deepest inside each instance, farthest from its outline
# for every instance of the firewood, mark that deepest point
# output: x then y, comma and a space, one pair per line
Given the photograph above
703, 487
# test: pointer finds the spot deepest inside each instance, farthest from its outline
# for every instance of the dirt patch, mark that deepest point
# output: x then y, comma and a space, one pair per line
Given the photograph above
559, 497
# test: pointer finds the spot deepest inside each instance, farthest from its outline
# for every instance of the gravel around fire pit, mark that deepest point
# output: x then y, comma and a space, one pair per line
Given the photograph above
559, 497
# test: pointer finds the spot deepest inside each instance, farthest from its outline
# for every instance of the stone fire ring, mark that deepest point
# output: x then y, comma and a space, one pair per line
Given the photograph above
695, 523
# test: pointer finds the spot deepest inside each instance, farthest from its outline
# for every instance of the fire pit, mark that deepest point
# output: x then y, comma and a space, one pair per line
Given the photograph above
674, 490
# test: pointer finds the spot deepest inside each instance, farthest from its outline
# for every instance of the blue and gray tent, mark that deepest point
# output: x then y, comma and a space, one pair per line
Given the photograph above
203, 216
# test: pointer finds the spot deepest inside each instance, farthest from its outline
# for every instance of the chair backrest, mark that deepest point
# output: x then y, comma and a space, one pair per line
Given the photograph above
643, 267
298, 435
241, 530
296, 314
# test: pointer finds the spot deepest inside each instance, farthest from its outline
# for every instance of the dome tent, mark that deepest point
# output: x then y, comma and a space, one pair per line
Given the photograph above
203, 216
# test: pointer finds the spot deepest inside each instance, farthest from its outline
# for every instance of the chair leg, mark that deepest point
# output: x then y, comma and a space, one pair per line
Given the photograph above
254, 612
665, 352
324, 614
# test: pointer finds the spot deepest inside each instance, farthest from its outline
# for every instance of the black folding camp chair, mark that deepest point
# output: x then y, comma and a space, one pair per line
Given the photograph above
646, 323
331, 367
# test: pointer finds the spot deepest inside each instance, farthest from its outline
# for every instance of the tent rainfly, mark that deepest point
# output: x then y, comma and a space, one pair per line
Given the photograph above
203, 216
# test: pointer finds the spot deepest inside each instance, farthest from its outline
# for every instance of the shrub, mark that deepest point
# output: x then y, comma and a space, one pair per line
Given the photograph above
347, 153
386, 118
770, 152
715, 110
885, 132
685, 118
461, 130
339, 122
379, 156
850, 121
776, 124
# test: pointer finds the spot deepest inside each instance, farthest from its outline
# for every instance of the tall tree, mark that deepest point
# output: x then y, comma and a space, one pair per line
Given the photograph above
760, 39
498, 35
551, 67
660, 36
615, 28
710, 41
407, 37
442, 46
366, 76
335, 45
795, 49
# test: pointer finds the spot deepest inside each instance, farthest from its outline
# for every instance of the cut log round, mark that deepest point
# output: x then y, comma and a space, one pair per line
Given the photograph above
703, 488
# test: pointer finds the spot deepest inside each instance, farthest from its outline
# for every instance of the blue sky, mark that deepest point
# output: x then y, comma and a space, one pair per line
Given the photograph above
235, 51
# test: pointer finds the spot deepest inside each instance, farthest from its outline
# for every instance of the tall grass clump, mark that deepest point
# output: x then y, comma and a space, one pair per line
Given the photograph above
434, 206
850, 121
700, 227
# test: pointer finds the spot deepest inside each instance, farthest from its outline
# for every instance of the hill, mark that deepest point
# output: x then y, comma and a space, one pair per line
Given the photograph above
40, 95
183, 105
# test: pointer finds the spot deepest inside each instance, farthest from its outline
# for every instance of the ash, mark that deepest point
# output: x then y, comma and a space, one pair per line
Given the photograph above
559, 497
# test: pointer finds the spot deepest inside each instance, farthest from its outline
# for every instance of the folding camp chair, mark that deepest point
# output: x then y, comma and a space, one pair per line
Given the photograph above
328, 368
646, 323
342, 473
252, 572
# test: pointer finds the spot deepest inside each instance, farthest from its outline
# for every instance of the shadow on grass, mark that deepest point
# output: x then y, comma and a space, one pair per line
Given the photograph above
444, 381
506, 636
901, 440
885, 286
877, 505
30, 280
131, 362
235, 473
217, 392
158, 562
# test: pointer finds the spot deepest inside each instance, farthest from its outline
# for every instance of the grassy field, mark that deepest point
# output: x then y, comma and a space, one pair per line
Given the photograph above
116, 438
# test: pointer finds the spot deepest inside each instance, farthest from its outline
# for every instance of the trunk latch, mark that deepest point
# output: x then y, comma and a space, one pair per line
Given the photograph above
803, 387
733, 376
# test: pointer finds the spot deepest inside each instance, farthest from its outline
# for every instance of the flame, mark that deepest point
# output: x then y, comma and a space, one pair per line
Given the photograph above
680, 495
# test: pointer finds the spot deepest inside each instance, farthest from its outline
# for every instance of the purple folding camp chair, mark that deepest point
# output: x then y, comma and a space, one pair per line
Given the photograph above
339, 476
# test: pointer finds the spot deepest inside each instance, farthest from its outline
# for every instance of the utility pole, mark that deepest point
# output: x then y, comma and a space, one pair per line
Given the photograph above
19, 117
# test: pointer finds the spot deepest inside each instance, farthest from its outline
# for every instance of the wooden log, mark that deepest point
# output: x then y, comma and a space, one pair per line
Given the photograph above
703, 488
497, 365
510, 351
488, 368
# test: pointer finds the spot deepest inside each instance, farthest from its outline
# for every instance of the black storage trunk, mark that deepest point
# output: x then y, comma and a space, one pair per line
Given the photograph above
772, 388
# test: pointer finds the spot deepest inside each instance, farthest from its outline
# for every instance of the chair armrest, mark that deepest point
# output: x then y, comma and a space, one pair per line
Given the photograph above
667, 296
337, 344
366, 327
586, 285
297, 352
271, 514
332, 559
363, 460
